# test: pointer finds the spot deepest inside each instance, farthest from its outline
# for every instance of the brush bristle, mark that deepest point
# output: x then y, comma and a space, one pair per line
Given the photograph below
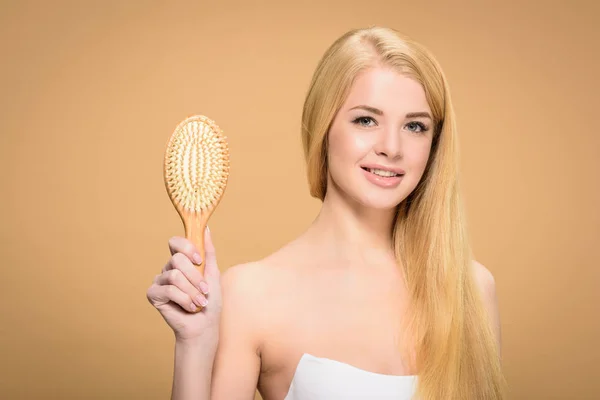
197, 164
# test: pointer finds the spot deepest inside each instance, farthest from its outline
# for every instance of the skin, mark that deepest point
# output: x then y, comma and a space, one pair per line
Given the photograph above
335, 291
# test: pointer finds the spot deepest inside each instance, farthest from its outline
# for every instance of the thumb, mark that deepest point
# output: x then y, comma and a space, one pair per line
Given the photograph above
211, 268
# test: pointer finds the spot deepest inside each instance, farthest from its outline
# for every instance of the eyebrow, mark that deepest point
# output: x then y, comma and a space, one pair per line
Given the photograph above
421, 114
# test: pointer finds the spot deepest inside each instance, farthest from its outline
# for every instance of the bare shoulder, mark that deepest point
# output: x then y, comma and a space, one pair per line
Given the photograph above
487, 286
247, 286
240, 276
248, 290
485, 279
242, 285
252, 286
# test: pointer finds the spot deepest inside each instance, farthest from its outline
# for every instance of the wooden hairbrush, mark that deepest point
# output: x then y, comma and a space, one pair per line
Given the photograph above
196, 170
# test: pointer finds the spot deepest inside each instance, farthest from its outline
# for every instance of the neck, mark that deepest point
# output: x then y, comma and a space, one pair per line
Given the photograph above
351, 232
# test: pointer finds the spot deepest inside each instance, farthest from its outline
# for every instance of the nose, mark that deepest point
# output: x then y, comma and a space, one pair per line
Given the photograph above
389, 144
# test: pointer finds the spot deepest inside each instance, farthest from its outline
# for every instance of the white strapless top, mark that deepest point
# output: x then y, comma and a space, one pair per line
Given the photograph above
324, 379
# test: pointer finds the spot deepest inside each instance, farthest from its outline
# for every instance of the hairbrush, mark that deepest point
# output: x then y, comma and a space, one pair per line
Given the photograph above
196, 169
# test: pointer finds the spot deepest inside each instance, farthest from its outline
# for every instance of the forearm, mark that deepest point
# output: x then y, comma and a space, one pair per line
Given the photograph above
193, 370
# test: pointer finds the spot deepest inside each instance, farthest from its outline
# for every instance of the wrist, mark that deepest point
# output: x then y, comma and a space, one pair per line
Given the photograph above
205, 341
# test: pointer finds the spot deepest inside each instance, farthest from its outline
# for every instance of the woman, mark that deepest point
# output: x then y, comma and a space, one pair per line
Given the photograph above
380, 297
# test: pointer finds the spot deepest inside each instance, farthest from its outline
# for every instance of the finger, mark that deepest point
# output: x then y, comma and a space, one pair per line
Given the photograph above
180, 262
159, 295
176, 278
212, 274
178, 244
211, 268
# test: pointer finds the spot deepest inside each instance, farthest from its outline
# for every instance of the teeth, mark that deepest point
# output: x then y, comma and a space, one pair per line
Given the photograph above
381, 172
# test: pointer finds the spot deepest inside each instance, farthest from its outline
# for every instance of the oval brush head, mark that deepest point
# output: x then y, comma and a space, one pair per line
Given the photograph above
196, 169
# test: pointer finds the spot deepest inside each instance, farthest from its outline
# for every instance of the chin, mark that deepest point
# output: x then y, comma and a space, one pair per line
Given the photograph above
377, 200
381, 204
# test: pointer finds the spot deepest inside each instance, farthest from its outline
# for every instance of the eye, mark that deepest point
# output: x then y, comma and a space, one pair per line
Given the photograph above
417, 127
364, 121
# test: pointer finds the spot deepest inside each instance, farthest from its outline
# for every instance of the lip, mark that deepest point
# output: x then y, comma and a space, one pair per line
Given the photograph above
381, 181
377, 166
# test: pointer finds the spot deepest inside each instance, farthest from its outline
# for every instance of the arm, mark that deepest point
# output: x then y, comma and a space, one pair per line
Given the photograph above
237, 362
193, 367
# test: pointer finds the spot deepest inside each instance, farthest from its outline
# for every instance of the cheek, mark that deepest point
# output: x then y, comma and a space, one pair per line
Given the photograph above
419, 156
361, 143
349, 145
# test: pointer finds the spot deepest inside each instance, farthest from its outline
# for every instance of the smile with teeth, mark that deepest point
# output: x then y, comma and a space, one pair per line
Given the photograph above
381, 172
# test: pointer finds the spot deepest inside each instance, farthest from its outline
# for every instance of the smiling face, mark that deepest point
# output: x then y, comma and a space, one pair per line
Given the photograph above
383, 128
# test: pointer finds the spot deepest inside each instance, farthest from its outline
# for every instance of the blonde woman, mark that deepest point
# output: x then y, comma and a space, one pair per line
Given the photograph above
380, 297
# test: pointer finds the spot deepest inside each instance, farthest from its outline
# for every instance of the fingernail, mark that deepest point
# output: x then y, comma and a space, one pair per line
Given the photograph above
202, 301
203, 287
198, 300
193, 307
197, 259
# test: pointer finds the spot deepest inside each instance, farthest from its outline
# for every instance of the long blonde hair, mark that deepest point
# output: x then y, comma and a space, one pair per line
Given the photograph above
454, 350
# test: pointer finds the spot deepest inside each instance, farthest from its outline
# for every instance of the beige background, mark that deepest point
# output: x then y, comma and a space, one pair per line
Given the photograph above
91, 91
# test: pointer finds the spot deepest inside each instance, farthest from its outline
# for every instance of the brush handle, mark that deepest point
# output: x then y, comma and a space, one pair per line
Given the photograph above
195, 225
